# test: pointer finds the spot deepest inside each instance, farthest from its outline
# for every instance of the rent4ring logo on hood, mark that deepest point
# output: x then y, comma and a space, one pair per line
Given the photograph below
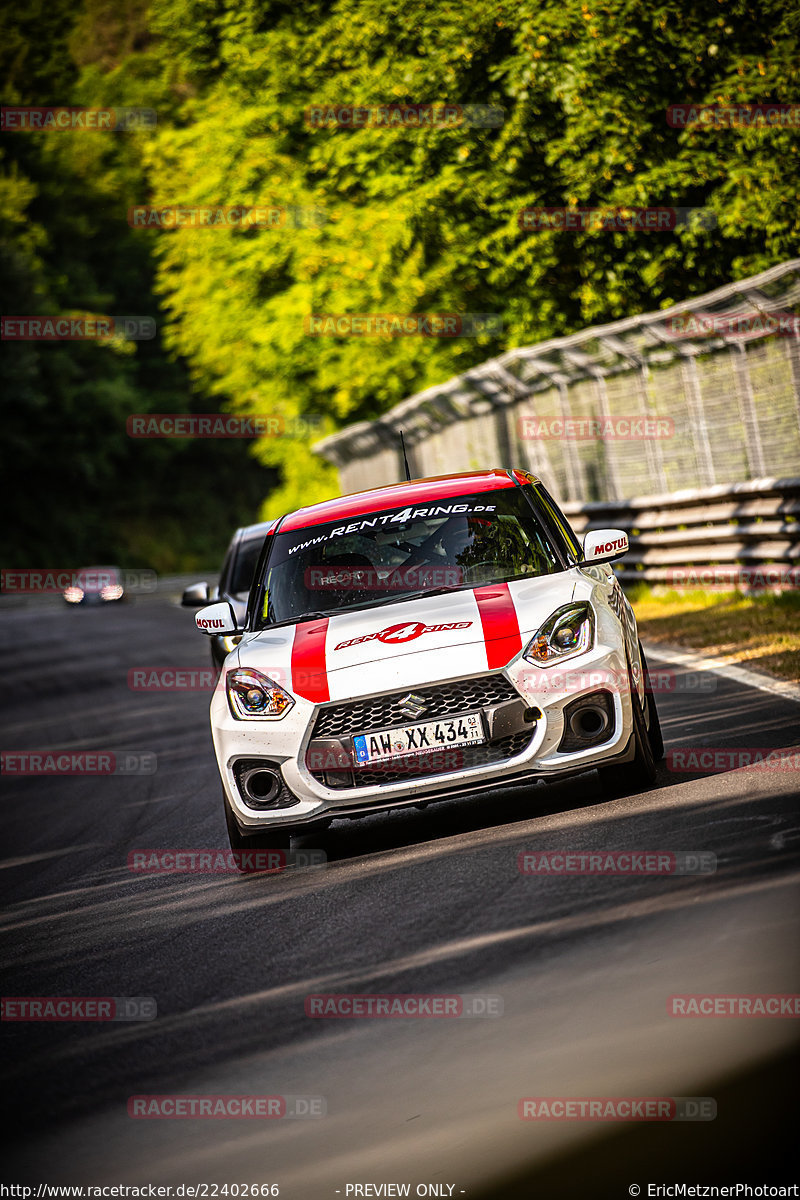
406, 631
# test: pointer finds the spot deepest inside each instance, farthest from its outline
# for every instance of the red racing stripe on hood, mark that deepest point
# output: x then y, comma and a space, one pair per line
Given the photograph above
309, 668
500, 624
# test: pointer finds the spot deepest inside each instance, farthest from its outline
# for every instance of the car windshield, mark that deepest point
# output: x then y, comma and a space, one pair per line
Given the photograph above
378, 557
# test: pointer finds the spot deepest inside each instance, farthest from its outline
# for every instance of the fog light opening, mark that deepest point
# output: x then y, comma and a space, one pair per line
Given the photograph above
261, 785
589, 722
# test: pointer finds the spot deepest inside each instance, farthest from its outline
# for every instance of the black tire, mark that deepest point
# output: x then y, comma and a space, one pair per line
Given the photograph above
639, 775
651, 713
270, 839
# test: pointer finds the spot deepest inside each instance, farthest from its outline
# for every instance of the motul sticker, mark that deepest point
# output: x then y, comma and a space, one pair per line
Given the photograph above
406, 631
611, 547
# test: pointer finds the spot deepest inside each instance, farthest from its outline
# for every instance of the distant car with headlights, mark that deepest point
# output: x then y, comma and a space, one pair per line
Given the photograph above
235, 578
96, 585
420, 641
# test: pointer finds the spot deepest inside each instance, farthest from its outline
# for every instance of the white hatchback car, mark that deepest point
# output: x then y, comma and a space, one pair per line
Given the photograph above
419, 641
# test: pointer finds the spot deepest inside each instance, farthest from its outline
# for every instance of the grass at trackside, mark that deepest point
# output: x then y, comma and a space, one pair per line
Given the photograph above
757, 630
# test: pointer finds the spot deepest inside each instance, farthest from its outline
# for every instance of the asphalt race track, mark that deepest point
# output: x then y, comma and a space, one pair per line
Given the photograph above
428, 901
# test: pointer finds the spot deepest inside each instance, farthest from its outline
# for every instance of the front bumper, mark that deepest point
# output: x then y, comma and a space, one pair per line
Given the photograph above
287, 744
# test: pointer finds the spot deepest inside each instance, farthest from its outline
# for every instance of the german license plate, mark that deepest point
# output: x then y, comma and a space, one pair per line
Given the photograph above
466, 730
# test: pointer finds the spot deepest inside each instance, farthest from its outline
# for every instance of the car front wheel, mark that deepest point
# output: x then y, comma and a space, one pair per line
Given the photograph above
270, 839
637, 776
653, 723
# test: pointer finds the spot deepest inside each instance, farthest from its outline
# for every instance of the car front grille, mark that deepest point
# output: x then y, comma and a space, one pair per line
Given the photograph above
473, 756
440, 700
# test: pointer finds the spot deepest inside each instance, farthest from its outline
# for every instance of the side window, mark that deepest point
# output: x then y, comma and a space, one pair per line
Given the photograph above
225, 571
560, 521
242, 575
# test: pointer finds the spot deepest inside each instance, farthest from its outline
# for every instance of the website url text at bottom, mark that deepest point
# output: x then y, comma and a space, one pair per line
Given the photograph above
200, 1191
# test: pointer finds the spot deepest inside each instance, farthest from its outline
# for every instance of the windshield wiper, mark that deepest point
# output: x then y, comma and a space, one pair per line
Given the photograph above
297, 620
332, 612
439, 591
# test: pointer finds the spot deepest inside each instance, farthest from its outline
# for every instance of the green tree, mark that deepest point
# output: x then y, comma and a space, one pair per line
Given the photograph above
427, 220
85, 491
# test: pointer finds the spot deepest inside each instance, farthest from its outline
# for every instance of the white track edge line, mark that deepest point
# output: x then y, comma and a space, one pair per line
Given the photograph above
696, 662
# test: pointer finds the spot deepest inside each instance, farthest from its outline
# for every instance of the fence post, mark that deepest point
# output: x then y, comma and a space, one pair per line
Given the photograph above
747, 407
793, 354
575, 480
697, 418
609, 448
653, 451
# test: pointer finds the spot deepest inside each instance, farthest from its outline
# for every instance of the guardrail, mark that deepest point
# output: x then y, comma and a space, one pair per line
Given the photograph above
692, 537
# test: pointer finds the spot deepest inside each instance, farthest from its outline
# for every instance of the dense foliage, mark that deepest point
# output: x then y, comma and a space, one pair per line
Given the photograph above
82, 490
408, 220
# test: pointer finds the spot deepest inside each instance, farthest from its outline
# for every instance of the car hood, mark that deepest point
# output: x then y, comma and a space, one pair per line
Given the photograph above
412, 642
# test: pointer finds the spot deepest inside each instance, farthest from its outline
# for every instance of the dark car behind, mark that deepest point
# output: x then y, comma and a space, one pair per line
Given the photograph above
235, 578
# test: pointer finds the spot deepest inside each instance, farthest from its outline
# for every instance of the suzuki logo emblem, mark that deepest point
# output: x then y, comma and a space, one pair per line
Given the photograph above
413, 705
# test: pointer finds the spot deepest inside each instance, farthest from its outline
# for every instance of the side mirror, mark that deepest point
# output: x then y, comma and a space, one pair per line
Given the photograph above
217, 619
195, 596
603, 545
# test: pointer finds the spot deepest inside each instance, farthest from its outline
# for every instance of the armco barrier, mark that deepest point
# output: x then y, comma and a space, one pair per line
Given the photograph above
746, 524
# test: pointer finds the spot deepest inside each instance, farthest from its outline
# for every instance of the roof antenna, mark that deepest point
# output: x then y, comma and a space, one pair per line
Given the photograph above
405, 456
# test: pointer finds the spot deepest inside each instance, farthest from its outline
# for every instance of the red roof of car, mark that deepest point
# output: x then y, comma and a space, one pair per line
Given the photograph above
399, 495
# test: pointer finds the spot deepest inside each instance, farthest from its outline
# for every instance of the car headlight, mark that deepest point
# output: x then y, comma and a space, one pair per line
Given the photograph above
111, 591
569, 631
73, 595
253, 696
